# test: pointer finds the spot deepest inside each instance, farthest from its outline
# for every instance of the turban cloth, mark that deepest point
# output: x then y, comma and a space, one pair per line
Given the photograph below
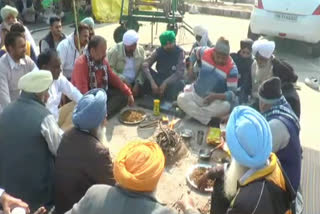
201, 31
138, 166
130, 37
88, 21
7, 10
264, 47
249, 137
168, 36
270, 90
91, 110
222, 46
36, 81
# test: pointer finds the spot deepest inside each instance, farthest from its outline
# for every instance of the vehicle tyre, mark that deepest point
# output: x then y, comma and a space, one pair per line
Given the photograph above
252, 36
118, 33
315, 50
173, 27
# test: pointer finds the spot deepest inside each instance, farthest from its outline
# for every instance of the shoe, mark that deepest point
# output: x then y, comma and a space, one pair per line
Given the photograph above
312, 82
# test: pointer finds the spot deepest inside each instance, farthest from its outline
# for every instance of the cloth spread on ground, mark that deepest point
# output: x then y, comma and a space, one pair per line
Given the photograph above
138, 166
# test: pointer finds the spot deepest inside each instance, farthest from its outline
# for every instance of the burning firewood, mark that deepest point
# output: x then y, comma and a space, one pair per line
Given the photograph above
171, 143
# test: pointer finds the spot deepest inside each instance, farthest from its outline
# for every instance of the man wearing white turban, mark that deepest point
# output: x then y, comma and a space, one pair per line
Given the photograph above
126, 59
254, 181
265, 66
29, 140
9, 16
202, 38
261, 69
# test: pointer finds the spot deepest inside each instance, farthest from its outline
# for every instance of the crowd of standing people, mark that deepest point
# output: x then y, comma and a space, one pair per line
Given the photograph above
71, 171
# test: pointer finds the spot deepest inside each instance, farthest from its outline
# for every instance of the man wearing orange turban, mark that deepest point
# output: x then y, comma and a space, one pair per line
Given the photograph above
137, 170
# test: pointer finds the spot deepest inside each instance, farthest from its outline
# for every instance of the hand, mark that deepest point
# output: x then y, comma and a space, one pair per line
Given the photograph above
203, 181
130, 100
212, 174
209, 99
41, 210
186, 204
135, 90
128, 84
8, 203
162, 88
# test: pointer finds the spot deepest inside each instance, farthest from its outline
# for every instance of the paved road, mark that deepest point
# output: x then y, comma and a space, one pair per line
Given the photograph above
236, 29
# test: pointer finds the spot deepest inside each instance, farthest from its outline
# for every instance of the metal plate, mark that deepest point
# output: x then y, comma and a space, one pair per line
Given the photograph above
190, 171
286, 17
129, 122
186, 133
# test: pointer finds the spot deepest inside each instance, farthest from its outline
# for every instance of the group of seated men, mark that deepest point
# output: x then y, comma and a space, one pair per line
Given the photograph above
39, 162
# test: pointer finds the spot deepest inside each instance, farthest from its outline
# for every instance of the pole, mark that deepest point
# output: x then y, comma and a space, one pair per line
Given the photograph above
76, 22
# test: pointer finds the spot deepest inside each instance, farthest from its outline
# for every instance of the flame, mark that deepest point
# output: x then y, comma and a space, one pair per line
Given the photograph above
173, 123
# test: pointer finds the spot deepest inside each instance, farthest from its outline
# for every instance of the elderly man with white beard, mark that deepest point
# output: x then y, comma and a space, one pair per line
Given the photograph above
254, 181
82, 159
9, 16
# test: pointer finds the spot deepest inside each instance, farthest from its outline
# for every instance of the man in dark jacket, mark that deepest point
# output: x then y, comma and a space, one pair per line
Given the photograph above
243, 60
254, 181
82, 159
29, 138
285, 128
167, 80
52, 39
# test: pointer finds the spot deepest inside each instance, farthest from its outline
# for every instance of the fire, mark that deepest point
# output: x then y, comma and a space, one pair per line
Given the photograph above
173, 123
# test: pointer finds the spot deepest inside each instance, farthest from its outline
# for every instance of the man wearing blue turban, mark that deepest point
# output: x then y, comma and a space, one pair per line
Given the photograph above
254, 181
82, 159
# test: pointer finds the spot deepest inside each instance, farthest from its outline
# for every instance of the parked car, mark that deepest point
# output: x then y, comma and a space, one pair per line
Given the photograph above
291, 19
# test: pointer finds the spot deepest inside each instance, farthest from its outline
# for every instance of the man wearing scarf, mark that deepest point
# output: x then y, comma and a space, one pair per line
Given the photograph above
213, 93
137, 170
167, 80
126, 59
76, 172
285, 128
29, 140
92, 70
265, 66
9, 17
254, 181
243, 59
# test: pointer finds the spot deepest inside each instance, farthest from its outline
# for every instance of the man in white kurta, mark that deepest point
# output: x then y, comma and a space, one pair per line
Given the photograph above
50, 60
